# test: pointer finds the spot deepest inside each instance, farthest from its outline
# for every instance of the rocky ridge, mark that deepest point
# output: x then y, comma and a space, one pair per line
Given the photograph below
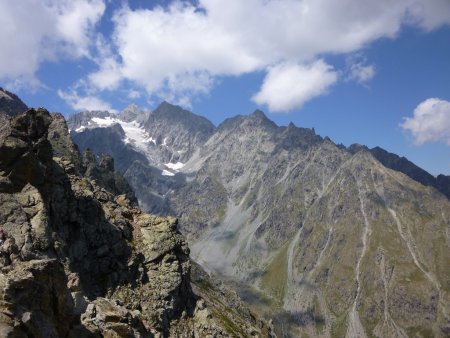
10, 103
403, 165
80, 260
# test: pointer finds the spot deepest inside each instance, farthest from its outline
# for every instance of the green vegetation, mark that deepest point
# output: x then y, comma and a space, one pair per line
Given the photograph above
274, 280
229, 325
420, 332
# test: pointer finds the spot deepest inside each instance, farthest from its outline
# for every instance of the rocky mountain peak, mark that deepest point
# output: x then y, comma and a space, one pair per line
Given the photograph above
11, 104
258, 118
179, 115
356, 147
178, 131
168, 109
25, 151
291, 125
133, 113
295, 137
259, 114
402, 164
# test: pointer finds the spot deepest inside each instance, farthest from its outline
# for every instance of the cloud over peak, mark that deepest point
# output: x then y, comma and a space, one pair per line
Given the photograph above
288, 86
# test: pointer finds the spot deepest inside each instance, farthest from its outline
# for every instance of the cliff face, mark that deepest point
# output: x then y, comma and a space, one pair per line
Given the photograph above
10, 104
80, 260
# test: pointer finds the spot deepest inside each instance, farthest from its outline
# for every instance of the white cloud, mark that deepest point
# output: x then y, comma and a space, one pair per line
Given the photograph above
109, 74
430, 122
177, 51
181, 49
75, 23
288, 86
133, 94
429, 14
36, 31
87, 102
361, 73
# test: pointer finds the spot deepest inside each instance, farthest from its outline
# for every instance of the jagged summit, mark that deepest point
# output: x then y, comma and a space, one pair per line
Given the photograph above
402, 164
171, 110
133, 113
11, 104
258, 114
258, 118
178, 115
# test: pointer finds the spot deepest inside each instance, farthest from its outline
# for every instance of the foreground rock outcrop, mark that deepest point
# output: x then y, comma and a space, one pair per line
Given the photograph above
10, 103
80, 260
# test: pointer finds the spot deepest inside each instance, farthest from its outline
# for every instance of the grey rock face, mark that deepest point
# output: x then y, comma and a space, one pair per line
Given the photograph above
104, 174
152, 187
133, 113
10, 104
401, 164
181, 131
26, 152
318, 231
35, 300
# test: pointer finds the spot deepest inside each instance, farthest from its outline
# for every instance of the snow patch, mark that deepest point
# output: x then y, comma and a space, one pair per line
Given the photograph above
106, 122
167, 173
135, 134
174, 166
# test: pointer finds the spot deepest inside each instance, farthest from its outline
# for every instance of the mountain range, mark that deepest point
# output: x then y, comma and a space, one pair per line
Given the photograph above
328, 240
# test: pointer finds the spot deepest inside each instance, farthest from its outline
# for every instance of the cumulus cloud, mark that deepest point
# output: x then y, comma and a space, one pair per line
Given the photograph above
361, 73
109, 74
177, 51
36, 31
288, 86
183, 48
429, 14
430, 122
85, 102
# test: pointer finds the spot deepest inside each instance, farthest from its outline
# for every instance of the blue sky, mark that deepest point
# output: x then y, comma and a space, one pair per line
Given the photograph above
368, 72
